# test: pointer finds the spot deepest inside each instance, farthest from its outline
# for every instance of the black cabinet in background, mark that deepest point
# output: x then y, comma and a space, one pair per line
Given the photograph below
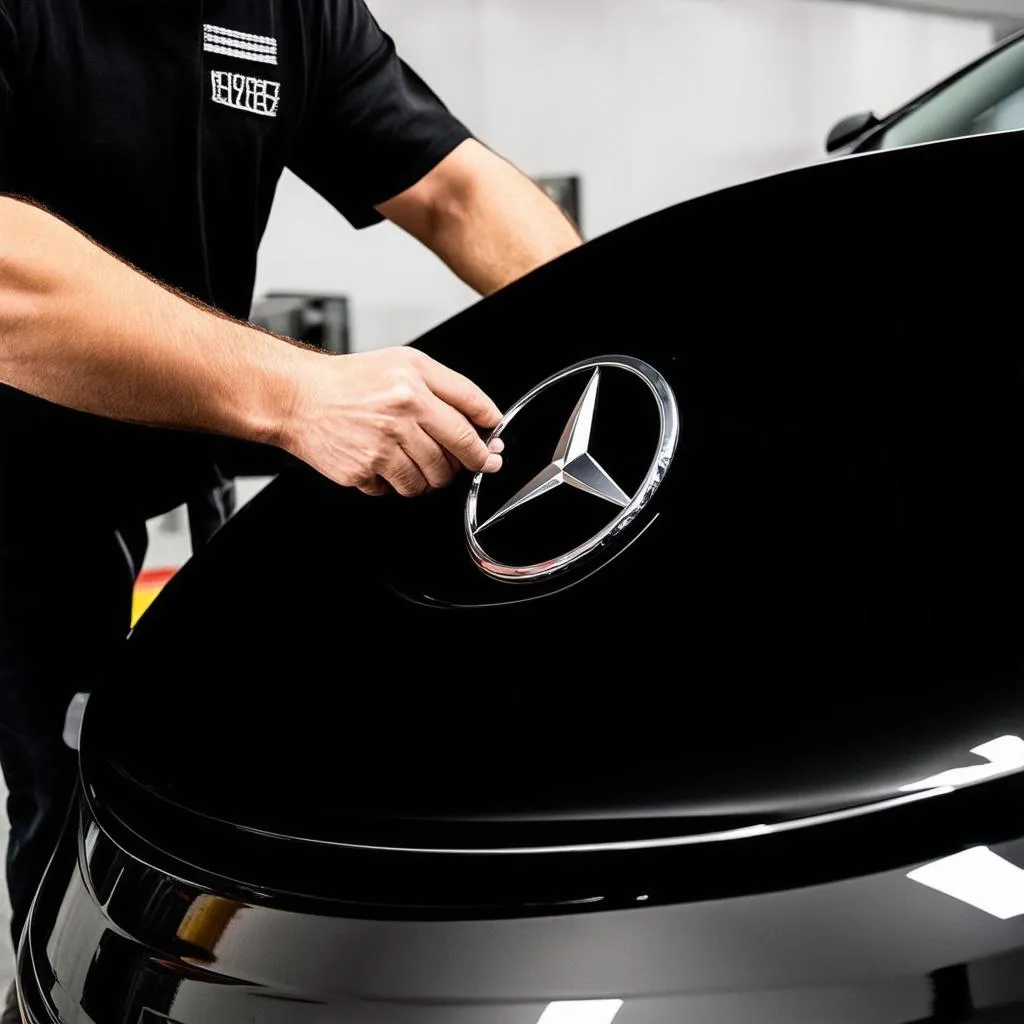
319, 320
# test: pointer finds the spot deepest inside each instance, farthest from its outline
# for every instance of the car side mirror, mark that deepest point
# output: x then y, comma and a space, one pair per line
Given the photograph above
849, 128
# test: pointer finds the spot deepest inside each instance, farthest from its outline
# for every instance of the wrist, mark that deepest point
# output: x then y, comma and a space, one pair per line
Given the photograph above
274, 414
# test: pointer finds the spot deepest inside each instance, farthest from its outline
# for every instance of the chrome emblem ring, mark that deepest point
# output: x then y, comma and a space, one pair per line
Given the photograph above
573, 465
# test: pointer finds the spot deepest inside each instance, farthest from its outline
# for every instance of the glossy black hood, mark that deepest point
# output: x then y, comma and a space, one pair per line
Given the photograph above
819, 608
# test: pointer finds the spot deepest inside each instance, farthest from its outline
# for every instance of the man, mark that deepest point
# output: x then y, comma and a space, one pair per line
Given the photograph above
140, 145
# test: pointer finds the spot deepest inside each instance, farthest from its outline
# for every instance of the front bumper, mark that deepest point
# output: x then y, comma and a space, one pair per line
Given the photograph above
114, 938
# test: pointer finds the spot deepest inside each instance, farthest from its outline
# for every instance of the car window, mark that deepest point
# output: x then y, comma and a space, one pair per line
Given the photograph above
990, 98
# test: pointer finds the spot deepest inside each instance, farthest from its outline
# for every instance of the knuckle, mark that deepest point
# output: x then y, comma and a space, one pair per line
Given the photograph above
403, 395
390, 433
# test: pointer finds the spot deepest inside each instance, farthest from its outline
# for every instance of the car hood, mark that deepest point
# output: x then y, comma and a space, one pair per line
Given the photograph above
819, 608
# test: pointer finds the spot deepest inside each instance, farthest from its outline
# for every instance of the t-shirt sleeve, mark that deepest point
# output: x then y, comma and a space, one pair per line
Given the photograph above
372, 127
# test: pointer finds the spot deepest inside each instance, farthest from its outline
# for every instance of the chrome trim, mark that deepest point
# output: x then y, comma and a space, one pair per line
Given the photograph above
572, 464
73, 718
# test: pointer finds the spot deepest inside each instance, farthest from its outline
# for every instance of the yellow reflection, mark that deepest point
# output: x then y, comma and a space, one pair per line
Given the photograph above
205, 922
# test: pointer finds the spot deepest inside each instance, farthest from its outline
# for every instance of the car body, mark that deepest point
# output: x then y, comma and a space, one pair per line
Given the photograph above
707, 708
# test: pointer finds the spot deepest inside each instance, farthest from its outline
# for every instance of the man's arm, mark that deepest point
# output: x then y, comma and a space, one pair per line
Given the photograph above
81, 328
484, 218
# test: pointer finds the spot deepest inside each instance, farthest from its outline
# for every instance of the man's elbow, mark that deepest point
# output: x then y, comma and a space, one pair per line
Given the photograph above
30, 271
444, 198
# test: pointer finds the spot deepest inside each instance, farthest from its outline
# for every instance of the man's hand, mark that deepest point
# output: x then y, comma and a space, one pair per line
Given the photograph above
391, 417
82, 328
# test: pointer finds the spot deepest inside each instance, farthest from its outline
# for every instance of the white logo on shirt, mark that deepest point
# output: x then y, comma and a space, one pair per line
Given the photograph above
244, 45
243, 92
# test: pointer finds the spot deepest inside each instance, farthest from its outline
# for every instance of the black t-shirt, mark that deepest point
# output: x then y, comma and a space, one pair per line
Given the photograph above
161, 128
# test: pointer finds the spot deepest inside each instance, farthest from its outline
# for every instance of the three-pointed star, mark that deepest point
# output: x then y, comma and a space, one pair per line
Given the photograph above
571, 464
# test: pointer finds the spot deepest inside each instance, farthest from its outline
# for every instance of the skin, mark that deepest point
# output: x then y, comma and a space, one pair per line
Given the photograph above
485, 219
82, 328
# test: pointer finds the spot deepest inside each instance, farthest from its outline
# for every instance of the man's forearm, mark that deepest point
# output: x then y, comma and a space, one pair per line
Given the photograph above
489, 222
81, 328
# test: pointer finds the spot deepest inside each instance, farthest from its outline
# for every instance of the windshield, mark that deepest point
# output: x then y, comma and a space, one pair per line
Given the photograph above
990, 98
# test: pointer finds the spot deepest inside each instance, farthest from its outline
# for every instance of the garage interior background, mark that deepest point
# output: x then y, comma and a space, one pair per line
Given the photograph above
648, 102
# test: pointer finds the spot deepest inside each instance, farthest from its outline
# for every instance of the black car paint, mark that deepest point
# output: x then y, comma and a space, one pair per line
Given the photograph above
342, 776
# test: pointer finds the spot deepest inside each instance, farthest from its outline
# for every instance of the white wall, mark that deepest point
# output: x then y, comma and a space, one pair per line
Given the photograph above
651, 101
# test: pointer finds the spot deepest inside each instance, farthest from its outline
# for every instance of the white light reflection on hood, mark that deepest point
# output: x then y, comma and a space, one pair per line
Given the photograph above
1002, 755
583, 1011
978, 877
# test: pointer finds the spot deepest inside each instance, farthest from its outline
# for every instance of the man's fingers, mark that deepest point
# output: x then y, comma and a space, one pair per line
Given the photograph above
496, 446
430, 458
405, 477
461, 394
453, 432
374, 487
393, 420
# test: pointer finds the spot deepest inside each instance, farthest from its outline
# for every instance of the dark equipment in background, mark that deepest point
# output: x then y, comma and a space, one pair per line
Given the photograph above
319, 320
565, 192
